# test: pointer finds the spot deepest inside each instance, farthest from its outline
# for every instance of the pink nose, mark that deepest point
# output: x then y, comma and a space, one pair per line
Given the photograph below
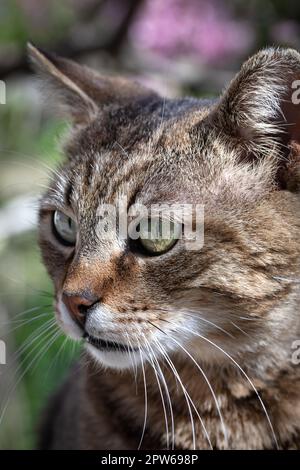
78, 305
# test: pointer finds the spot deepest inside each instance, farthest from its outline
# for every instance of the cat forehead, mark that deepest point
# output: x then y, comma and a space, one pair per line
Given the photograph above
160, 149
129, 144
175, 177
134, 124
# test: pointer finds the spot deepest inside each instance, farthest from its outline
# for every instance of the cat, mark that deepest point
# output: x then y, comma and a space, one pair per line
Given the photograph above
184, 348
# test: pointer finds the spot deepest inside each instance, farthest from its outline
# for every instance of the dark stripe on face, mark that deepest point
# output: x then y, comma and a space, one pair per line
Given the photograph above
69, 193
89, 171
136, 168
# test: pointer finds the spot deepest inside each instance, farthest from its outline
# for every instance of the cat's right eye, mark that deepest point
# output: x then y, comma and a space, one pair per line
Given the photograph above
157, 236
65, 228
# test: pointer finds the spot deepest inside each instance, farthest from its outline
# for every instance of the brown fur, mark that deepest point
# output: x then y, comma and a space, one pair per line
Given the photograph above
238, 157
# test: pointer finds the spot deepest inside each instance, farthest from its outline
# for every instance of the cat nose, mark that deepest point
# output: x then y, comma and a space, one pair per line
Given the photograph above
78, 305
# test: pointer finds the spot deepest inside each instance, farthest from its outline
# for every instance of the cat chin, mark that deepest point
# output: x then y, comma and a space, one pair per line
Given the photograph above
114, 359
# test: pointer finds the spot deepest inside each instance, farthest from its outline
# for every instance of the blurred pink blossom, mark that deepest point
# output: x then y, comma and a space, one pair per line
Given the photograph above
200, 28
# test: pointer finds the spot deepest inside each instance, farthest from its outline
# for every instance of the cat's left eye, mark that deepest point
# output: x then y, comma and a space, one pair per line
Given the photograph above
65, 228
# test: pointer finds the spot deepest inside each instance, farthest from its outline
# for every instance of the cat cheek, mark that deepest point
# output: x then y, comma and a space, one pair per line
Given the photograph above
65, 321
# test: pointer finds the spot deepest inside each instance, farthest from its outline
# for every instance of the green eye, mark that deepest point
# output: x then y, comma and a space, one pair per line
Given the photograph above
65, 228
159, 235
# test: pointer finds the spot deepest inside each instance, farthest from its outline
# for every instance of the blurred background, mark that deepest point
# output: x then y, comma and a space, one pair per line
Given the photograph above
178, 47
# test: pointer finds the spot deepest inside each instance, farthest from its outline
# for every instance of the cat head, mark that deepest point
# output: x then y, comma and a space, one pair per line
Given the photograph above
233, 160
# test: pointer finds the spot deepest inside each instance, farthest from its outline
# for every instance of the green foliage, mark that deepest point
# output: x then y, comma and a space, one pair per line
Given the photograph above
26, 148
15, 27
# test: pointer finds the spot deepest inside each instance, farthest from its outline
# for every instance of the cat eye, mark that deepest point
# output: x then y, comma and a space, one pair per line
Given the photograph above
158, 235
65, 228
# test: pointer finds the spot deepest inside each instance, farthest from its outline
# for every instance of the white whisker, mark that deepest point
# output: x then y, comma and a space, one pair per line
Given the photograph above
245, 375
167, 393
209, 386
53, 336
146, 400
188, 398
239, 328
150, 360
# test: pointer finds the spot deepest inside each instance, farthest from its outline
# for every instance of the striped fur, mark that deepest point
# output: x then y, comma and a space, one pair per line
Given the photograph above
237, 156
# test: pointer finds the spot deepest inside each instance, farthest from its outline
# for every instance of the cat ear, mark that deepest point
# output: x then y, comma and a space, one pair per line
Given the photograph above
260, 108
78, 89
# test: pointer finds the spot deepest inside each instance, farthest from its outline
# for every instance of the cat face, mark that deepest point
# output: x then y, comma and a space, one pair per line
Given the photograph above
230, 157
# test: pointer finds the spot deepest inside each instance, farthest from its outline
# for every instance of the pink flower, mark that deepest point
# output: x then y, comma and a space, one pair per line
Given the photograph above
190, 27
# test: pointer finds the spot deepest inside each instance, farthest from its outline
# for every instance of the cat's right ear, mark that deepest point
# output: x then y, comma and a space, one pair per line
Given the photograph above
77, 90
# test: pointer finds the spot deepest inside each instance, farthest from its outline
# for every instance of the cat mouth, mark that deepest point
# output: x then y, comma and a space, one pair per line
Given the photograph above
106, 345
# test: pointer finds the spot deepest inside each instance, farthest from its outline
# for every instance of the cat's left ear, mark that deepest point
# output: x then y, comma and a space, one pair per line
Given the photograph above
261, 107
78, 90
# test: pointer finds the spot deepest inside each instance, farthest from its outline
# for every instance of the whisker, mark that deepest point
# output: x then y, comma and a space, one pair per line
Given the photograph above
168, 395
55, 359
188, 398
256, 319
133, 361
196, 316
206, 380
240, 329
146, 400
24, 312
245, 375
160, 391
287, 279
47, 347
36, 358
32, 338
22, 323
48, 328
